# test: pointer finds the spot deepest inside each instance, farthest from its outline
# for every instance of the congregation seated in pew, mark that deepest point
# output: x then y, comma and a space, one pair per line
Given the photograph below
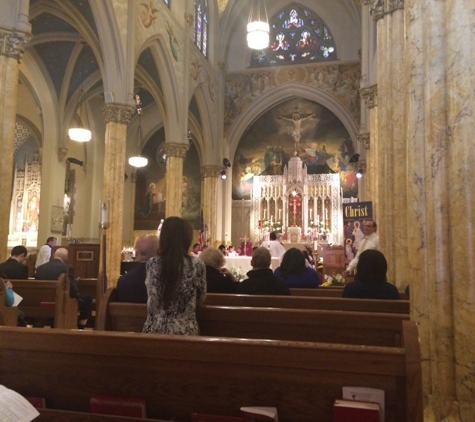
131, 286
370, 280
53, 269
218, 278
261, 279
295, 272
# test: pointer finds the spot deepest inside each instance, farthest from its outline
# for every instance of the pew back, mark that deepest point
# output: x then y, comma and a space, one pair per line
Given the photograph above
48, 298
8, 315
328, 326
331, 291
178, 375
308, 302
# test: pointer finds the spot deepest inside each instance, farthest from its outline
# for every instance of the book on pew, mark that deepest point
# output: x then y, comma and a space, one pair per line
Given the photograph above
355, 411
366, 394
118, 406
200, 417
14, 407
256, 413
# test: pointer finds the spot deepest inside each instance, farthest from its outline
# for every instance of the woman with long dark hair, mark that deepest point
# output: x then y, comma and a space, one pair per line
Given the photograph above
370, 280
294, 271
175, 281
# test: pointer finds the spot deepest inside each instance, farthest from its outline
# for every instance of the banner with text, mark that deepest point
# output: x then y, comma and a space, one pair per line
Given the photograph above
354, 214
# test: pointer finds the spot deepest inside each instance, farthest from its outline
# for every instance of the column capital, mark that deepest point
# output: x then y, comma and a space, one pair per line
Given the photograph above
175, 149
364, 138
370, 96
395, 5
12, 44
210, 171
377, 9
117, 113
62, 152
189, 19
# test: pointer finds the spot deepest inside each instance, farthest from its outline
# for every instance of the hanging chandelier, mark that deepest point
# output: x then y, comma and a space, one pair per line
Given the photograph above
81, 133
138, 160
258, 26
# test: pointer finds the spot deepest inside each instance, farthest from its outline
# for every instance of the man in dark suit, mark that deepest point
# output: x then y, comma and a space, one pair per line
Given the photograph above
131, 286
13, 268
57, 266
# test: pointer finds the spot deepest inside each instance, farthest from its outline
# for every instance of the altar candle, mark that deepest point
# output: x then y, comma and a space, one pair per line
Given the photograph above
280, 214
265, 213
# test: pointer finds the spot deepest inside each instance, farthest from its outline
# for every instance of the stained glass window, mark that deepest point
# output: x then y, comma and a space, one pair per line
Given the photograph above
201, 26
297, 35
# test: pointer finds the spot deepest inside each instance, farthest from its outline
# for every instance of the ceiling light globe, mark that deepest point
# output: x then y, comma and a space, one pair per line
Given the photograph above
258, 35
138, 161
79, 134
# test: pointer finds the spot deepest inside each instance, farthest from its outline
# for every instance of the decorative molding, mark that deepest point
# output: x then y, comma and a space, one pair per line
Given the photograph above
12, 44
395, 5
377, 10
176, 150
189, 19
62, 152
364, 138
370, 96
118, 113
210, 171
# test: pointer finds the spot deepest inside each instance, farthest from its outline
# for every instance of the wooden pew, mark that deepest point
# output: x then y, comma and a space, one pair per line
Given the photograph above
331, 291
53, 415
92, 287
48, 298
178, 375
307, 302
8, 314
326, 326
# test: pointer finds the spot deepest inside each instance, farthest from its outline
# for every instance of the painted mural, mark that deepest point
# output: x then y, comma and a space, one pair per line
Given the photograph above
151, 194
295, 127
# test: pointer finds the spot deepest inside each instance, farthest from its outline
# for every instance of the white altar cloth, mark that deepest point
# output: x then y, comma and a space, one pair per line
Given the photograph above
244, 262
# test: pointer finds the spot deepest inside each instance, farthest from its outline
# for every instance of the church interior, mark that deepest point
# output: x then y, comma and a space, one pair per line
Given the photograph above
184, 119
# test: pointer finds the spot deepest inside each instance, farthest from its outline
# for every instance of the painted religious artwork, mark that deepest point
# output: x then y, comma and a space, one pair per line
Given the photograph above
354, 215
151, 194
297, 127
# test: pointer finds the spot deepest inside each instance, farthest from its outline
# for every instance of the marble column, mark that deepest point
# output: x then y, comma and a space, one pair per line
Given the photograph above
209, 199
429, 164
390, 147
11, 49
174, 178
117, 117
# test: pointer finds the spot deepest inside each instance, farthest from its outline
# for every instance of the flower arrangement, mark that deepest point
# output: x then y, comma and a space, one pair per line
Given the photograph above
333, 280
272, 226
238, 272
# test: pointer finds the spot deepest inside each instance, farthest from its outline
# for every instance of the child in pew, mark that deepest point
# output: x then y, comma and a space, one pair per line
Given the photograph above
175, 281
370, 280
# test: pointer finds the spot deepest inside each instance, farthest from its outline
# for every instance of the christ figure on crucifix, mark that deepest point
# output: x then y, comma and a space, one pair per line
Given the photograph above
297, 120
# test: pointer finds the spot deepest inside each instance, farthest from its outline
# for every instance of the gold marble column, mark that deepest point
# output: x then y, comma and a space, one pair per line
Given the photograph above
390, 147
369, 141
11, 50
209, 198
117, 117
174, 178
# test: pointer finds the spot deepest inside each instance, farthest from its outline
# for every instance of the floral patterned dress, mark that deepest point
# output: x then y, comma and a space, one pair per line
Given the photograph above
180, 317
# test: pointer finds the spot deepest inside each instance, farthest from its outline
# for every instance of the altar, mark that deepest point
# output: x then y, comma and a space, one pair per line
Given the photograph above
244, 263
306, 208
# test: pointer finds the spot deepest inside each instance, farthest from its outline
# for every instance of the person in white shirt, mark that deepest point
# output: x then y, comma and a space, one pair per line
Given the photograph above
370, 241
276, 248
44, 254
231, 251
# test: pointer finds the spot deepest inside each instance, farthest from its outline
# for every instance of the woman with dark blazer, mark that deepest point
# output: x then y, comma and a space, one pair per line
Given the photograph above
294, 271
370, 280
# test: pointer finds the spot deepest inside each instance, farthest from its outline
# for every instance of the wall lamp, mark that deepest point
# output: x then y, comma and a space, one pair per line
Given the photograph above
223, 175
226, 162
75, 161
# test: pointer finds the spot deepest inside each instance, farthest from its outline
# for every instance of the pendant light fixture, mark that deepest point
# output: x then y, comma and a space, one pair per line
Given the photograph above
258, 26
138, 160
81, 133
